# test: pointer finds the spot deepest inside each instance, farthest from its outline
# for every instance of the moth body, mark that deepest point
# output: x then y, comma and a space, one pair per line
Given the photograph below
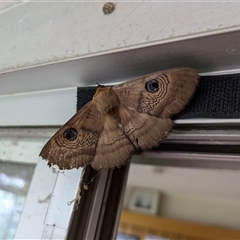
106, 101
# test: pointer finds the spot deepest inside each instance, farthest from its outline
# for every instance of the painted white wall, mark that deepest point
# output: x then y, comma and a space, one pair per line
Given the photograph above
201, 209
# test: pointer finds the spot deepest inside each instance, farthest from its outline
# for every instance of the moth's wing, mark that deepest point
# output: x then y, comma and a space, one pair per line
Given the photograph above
175, 88
68, 154
113, 148
145, 115
143, 130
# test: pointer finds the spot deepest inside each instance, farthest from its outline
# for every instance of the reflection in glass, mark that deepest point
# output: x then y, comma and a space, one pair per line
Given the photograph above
124, 236
15, 180
191, 203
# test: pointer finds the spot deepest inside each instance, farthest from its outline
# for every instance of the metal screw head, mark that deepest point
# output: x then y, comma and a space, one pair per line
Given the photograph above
108, 8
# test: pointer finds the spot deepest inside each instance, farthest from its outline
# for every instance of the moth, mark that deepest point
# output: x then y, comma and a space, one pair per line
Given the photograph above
122, 120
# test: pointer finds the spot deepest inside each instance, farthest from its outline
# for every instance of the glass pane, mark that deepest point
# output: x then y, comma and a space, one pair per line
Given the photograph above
166, 202
15, 180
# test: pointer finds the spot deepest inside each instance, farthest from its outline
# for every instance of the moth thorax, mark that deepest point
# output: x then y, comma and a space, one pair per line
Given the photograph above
106, 100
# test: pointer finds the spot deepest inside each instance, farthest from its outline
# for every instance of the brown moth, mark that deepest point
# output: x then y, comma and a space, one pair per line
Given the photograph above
121, 120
